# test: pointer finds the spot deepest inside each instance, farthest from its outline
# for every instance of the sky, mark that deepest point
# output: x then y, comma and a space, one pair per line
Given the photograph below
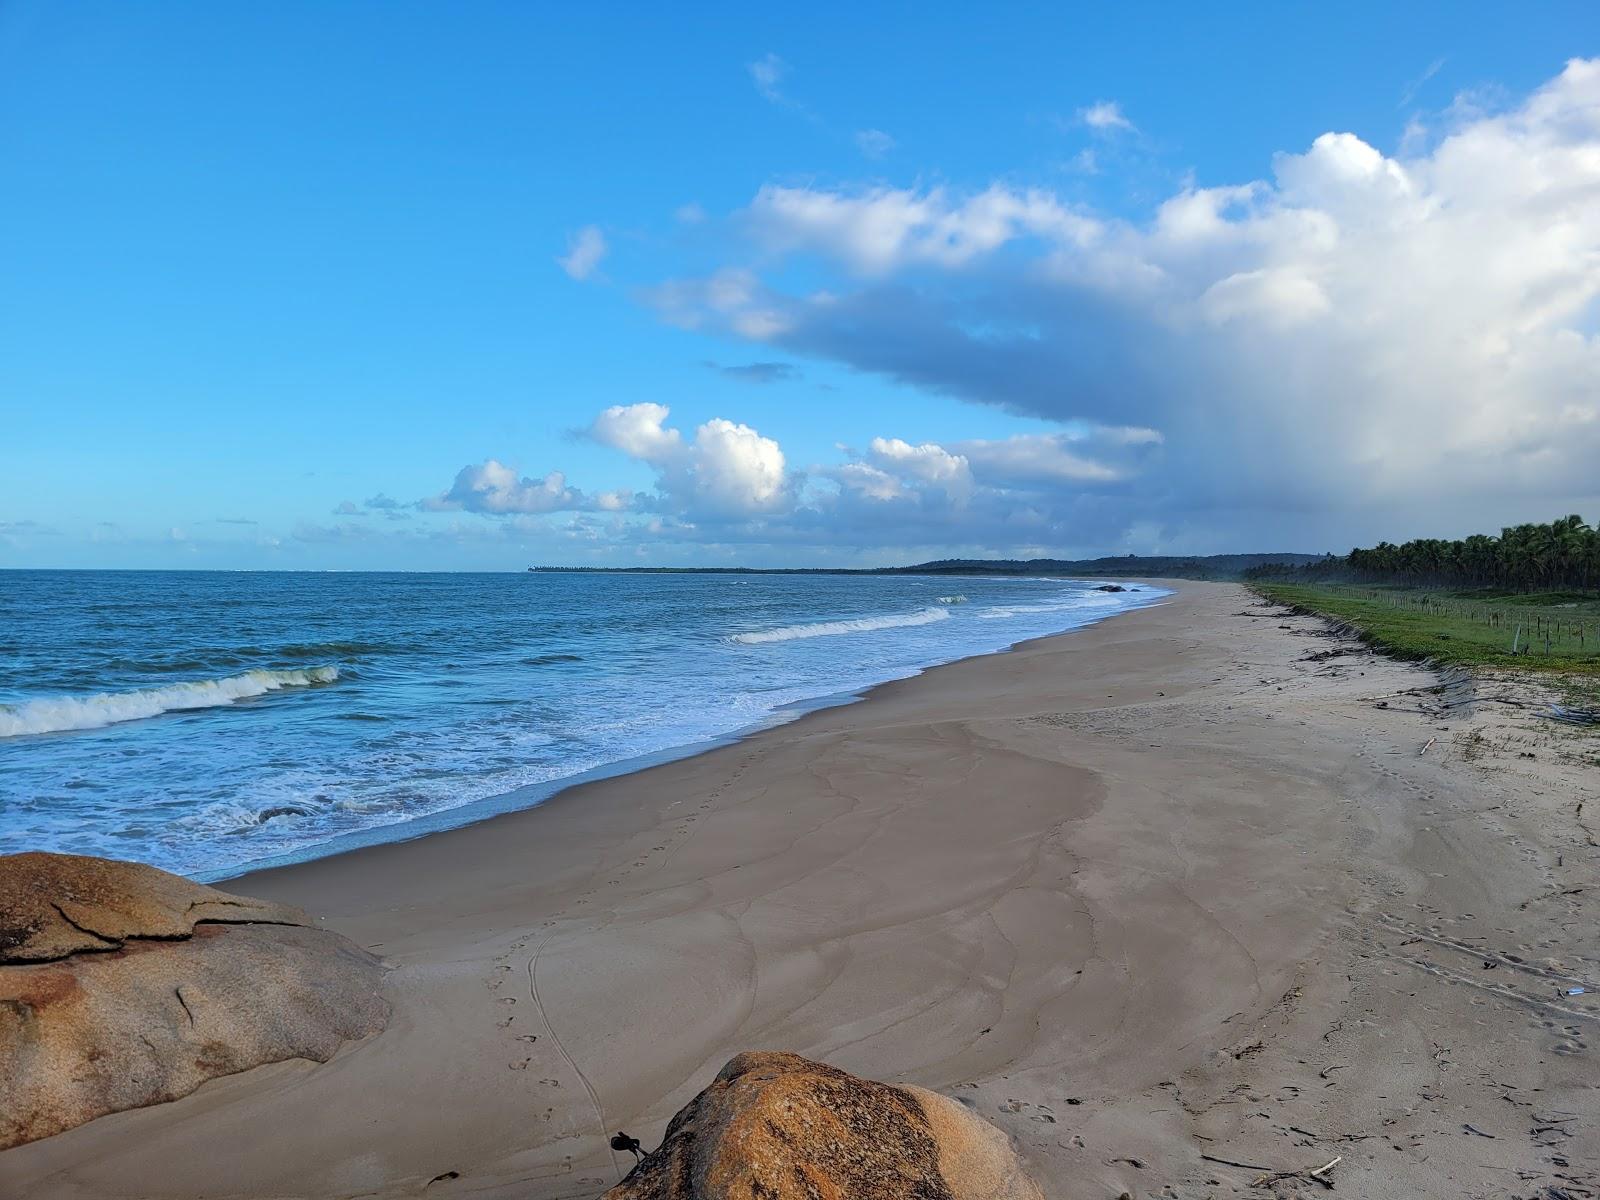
479, 286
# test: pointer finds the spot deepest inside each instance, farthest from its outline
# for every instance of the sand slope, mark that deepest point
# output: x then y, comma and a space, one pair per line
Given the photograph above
1153, 890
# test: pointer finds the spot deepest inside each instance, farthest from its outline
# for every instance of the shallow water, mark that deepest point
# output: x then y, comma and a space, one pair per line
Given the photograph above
205, 720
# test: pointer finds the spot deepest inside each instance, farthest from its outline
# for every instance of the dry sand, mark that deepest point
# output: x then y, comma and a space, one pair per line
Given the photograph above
1154, 890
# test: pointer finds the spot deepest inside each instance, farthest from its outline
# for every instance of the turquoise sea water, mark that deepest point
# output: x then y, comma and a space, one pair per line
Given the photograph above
202, 721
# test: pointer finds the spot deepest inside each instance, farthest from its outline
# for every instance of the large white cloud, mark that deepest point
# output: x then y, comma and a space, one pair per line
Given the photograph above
727, 470
929, 464
735, 469
1407, 334
638, 431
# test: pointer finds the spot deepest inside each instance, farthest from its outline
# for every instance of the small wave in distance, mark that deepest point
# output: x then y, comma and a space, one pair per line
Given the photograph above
790, 633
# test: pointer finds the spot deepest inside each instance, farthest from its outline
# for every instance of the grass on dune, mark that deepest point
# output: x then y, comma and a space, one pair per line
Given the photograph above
1551, 631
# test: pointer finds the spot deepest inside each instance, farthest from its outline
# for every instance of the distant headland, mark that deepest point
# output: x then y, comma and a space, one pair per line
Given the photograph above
1210, 566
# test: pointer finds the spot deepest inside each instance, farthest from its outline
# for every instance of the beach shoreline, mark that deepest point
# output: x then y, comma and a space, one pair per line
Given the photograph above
531, 796
1147, 895
324, 714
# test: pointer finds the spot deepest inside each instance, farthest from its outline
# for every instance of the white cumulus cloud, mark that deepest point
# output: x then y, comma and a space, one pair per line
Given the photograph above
728, 469
1352, 345
927, 463
727, 484
637, 430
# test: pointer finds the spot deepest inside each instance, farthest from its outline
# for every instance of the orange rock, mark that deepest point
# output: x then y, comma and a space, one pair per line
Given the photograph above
53, 905
781, 1127
122, 985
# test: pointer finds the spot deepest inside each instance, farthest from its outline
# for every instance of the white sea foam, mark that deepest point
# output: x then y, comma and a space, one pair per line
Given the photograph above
1077, 602
952, 599
60, 713
789, 633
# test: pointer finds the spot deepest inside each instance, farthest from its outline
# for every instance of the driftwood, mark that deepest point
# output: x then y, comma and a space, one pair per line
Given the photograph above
1228, 1162
1319, 1174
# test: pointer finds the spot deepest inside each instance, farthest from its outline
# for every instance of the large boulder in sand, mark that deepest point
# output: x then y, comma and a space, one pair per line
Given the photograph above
781, 1127
53, 905
122, 985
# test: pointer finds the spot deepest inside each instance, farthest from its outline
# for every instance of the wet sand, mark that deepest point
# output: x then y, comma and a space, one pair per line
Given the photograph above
1158, 889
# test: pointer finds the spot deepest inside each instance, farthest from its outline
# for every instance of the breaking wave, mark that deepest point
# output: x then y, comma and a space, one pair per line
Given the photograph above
789, 633
952, 599
62, 713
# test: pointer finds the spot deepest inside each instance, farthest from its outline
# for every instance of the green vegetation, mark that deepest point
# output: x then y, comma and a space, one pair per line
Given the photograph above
1550, 631
1564, 554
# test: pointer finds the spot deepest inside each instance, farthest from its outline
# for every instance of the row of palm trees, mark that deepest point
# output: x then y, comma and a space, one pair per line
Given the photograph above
1563, 555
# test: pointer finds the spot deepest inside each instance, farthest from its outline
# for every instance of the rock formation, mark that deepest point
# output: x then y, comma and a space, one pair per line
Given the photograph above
780, 1127
122, 985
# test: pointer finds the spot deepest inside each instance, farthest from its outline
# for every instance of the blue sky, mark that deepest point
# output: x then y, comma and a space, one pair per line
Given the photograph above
911, 282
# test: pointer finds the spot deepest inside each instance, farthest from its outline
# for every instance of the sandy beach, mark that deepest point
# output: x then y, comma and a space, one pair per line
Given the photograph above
1169, 899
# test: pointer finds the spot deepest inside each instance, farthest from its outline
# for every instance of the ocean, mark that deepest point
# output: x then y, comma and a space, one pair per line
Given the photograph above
207, 722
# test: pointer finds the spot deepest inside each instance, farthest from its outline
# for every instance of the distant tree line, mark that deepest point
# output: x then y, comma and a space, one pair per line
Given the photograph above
1559, 556
1209, 566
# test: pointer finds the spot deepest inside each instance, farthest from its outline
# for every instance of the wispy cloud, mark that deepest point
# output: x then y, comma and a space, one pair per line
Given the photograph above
16, 533
756, 372
1409, 92
493, 487
380, 503
584, 252
874, 143
1105, 116
768, 73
